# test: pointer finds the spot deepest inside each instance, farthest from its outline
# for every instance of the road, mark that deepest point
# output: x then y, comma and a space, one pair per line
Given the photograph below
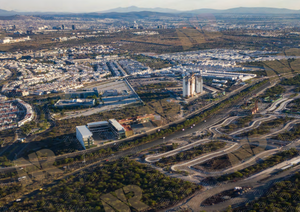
186, 166
259, 185
199, 127
254, 124
207, 157
253, 160
260, 181
155, 158
214, 129
274, 105
285, 103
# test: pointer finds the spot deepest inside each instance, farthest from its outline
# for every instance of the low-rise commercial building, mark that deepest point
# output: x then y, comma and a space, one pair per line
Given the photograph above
85, 133
75, 103
84, 136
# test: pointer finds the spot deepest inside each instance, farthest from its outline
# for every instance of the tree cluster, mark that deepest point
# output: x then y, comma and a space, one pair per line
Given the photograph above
281, 197
85, 189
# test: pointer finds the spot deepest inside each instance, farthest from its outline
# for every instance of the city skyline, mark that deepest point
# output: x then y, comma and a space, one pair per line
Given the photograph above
92, 6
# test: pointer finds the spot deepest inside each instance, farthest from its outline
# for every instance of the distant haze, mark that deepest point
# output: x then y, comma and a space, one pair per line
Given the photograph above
103, 5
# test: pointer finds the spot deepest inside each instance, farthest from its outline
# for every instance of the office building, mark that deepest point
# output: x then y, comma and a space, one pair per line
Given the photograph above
75, 103
117, 128
84, 136
84, 133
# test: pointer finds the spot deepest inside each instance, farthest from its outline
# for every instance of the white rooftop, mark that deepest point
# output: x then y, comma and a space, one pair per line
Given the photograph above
116, 124
84, 131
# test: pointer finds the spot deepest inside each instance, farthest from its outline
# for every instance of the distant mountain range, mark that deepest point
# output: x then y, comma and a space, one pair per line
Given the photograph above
249, 10
140, 9
134, 9
261, 10
7, 13
266, 10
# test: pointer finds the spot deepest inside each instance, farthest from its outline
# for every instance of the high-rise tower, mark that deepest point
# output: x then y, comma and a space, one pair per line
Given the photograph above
192, 85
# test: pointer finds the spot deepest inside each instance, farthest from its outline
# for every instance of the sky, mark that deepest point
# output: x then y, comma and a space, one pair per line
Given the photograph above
101, 5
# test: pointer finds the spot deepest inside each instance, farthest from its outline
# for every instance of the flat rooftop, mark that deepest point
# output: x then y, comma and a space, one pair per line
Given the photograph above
116, 124
84, 131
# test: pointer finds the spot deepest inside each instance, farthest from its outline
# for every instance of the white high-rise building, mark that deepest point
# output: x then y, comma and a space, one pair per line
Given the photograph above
192, 85
199, 84
186, 87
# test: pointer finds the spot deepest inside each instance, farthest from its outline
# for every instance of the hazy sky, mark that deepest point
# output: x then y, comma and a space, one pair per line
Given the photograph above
100, 5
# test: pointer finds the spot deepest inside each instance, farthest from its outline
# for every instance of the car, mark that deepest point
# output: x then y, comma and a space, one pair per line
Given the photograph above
18, 200
204, 120
182, 129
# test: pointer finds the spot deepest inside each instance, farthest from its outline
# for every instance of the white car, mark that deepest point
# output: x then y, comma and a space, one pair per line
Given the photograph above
18, 200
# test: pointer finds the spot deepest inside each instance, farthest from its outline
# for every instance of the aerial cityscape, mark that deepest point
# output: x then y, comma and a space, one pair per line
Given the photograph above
149, 109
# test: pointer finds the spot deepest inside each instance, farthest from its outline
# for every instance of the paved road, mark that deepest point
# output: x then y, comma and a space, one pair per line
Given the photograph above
283, 105
254, 124
259, 183
214, 129
202, 159
274, 105
250, 162
288, 126
157, 157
